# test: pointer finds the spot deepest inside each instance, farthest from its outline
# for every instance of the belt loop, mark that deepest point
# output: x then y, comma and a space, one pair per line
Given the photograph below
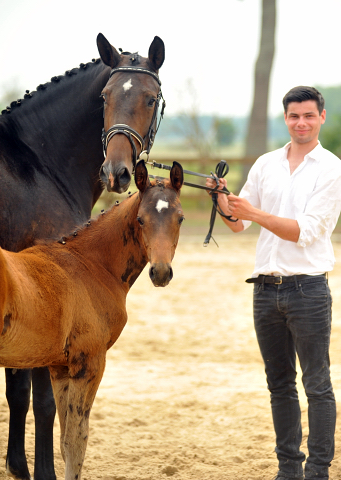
296, 284
263, 282
326, 274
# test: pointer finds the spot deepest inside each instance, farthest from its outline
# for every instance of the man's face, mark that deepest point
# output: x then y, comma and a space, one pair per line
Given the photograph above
304, 121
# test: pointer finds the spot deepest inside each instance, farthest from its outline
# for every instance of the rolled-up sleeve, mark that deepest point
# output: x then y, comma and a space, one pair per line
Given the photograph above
322, 210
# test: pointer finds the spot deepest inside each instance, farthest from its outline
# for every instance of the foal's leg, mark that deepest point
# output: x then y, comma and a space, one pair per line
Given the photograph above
82, 391
44, 409
60, 385
18, 390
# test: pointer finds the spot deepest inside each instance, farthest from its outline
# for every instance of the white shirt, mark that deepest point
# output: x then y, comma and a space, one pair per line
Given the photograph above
311, 195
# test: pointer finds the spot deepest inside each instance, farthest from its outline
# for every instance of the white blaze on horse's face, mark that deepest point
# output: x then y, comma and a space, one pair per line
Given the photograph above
161, 204
127, 85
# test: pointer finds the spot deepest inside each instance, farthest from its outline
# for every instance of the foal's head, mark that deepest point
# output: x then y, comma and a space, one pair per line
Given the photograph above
160, 216
131, 98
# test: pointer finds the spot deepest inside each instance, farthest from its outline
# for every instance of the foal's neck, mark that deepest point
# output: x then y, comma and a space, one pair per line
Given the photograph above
114, 242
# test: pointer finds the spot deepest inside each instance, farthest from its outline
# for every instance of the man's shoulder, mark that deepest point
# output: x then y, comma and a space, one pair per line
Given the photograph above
328, 159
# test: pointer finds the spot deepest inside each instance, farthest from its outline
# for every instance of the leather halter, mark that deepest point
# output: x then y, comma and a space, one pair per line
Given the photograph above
129, 132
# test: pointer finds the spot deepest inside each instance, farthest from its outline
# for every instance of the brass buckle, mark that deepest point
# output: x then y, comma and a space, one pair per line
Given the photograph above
280, 281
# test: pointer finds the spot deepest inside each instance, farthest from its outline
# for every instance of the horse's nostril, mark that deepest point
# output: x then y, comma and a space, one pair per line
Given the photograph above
124, 177
170, 273
151, 273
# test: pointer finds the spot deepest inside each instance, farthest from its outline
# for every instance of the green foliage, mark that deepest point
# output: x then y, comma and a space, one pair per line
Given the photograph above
332, 96
224, 130
330, 135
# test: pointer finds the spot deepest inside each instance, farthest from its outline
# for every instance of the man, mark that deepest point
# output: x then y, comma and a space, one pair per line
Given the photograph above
294, 194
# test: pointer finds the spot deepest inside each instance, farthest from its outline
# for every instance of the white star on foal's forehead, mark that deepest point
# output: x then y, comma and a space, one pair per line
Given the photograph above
127, 85
161, 204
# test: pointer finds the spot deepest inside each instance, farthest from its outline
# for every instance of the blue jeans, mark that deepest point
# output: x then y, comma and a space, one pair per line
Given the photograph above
295, 318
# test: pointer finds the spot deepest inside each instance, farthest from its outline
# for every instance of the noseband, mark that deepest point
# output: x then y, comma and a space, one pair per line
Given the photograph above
129, 132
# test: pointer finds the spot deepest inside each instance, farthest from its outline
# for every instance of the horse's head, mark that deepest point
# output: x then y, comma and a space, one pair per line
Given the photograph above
160, 216
131, 99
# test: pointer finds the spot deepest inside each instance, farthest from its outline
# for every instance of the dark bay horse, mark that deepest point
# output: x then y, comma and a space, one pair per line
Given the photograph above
51, 153
68, 299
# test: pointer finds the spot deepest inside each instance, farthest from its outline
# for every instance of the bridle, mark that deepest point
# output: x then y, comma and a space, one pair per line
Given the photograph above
129, 132
221, 171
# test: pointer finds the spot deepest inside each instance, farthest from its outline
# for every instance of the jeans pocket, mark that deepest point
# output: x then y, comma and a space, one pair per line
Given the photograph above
258, 288
314, 289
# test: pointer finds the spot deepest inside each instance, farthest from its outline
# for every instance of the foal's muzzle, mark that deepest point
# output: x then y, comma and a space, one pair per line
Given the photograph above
161, 274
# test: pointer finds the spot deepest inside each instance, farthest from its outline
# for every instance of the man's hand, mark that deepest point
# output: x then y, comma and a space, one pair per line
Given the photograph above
223, 201
210, 183
239, 207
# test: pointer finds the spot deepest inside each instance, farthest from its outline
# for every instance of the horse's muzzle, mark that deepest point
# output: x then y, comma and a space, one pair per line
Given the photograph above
161, 274
116, 179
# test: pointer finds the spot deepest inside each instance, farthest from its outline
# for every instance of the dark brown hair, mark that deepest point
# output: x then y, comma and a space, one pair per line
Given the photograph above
301, 94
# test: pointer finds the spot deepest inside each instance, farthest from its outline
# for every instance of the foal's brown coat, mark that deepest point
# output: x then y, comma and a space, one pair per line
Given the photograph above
63, 305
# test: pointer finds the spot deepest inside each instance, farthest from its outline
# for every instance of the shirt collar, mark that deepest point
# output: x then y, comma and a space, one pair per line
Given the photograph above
315, 154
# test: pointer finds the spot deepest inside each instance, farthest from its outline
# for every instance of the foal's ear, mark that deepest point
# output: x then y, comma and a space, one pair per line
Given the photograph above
108, 53
141, 176
156, 53
177, 176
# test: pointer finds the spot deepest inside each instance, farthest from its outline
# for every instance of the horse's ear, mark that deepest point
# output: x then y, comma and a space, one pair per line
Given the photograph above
156, 53
177, 176
141, 176
108, 53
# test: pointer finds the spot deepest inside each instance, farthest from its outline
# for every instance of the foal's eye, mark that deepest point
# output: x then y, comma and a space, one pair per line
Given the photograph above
139, 219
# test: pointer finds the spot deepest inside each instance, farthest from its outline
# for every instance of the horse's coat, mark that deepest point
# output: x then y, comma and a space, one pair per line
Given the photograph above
62, 305
50, 157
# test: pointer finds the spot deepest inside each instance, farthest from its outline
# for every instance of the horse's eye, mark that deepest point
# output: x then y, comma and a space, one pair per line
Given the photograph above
139, 219
181, 219
103, 97
151, 102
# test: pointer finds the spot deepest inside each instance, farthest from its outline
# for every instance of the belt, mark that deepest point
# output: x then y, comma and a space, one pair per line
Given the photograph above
280, 279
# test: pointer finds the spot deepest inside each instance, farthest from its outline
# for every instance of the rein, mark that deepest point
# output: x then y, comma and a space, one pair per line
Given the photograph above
129, 132
221, 171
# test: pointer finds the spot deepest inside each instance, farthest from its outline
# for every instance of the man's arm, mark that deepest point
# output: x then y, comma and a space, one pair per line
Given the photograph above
240, 208
285, 228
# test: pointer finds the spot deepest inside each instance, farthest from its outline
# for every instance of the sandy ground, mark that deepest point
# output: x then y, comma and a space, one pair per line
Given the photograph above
184, 393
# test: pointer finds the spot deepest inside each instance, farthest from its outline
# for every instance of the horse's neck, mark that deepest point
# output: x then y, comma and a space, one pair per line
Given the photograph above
60, 127
114, 242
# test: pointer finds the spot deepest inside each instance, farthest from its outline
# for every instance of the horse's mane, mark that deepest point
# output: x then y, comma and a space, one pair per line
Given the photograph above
54, 80
20, 158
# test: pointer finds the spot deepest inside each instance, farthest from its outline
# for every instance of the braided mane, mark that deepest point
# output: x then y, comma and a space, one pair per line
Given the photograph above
54, 80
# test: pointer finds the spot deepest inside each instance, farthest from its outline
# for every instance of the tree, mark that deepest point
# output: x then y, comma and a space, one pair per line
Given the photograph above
203, 134
256, 138
224, 130
330, 135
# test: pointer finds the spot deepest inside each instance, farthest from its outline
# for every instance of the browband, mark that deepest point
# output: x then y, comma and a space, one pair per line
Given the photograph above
136, 70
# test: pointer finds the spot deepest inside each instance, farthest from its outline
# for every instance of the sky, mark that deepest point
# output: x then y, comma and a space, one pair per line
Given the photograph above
211, 49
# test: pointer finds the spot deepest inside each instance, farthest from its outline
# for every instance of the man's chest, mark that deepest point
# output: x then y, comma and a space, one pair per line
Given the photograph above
285, 194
